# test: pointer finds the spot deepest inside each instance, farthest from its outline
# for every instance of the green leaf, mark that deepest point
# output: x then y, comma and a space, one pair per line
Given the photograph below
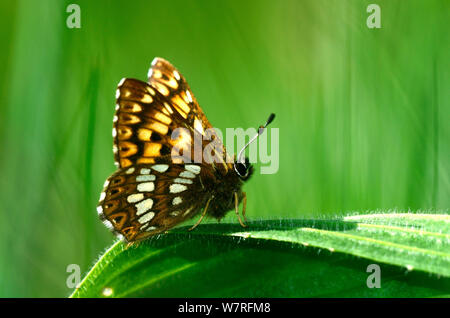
283, 258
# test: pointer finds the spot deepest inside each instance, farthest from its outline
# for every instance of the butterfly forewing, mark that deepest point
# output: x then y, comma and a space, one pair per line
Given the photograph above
170, 82
143, 124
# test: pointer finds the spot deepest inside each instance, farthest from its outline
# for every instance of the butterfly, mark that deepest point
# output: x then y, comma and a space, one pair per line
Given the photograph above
158, 131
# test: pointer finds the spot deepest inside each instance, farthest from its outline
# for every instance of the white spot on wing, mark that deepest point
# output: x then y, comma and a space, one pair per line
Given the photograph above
136, 197
193, 168
144, 206
176, 188
151, 228
108, 224
146, 177
189, 96
168, 108
187, 174
176, 200
147, 217
119, 236
121, 82
146, 187
99, 210
198, 126
102, 196
177, 75
181, 180
130, 170
160, 168
145, 171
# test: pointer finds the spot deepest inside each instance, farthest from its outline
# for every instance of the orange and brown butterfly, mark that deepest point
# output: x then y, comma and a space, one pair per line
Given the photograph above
158, 183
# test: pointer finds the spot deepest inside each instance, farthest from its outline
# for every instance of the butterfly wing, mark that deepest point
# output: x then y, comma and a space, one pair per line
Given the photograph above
170, 82
144, 200
147, 115
143, 124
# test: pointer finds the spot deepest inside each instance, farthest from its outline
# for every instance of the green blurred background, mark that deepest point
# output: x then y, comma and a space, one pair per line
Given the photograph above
363, 113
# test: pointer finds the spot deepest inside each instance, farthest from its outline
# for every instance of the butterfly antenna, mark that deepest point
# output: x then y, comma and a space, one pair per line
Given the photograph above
241, 158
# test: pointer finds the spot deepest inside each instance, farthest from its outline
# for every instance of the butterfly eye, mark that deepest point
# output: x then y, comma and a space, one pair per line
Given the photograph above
242, 168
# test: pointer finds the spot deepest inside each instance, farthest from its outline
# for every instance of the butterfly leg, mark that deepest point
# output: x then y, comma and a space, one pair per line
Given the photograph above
129, 244
202, 216
244, 203
236, 209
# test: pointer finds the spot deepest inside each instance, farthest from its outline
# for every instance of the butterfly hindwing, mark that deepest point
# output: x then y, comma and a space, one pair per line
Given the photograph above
144, 200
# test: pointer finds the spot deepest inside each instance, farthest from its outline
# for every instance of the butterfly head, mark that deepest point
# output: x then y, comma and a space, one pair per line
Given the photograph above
242, 164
